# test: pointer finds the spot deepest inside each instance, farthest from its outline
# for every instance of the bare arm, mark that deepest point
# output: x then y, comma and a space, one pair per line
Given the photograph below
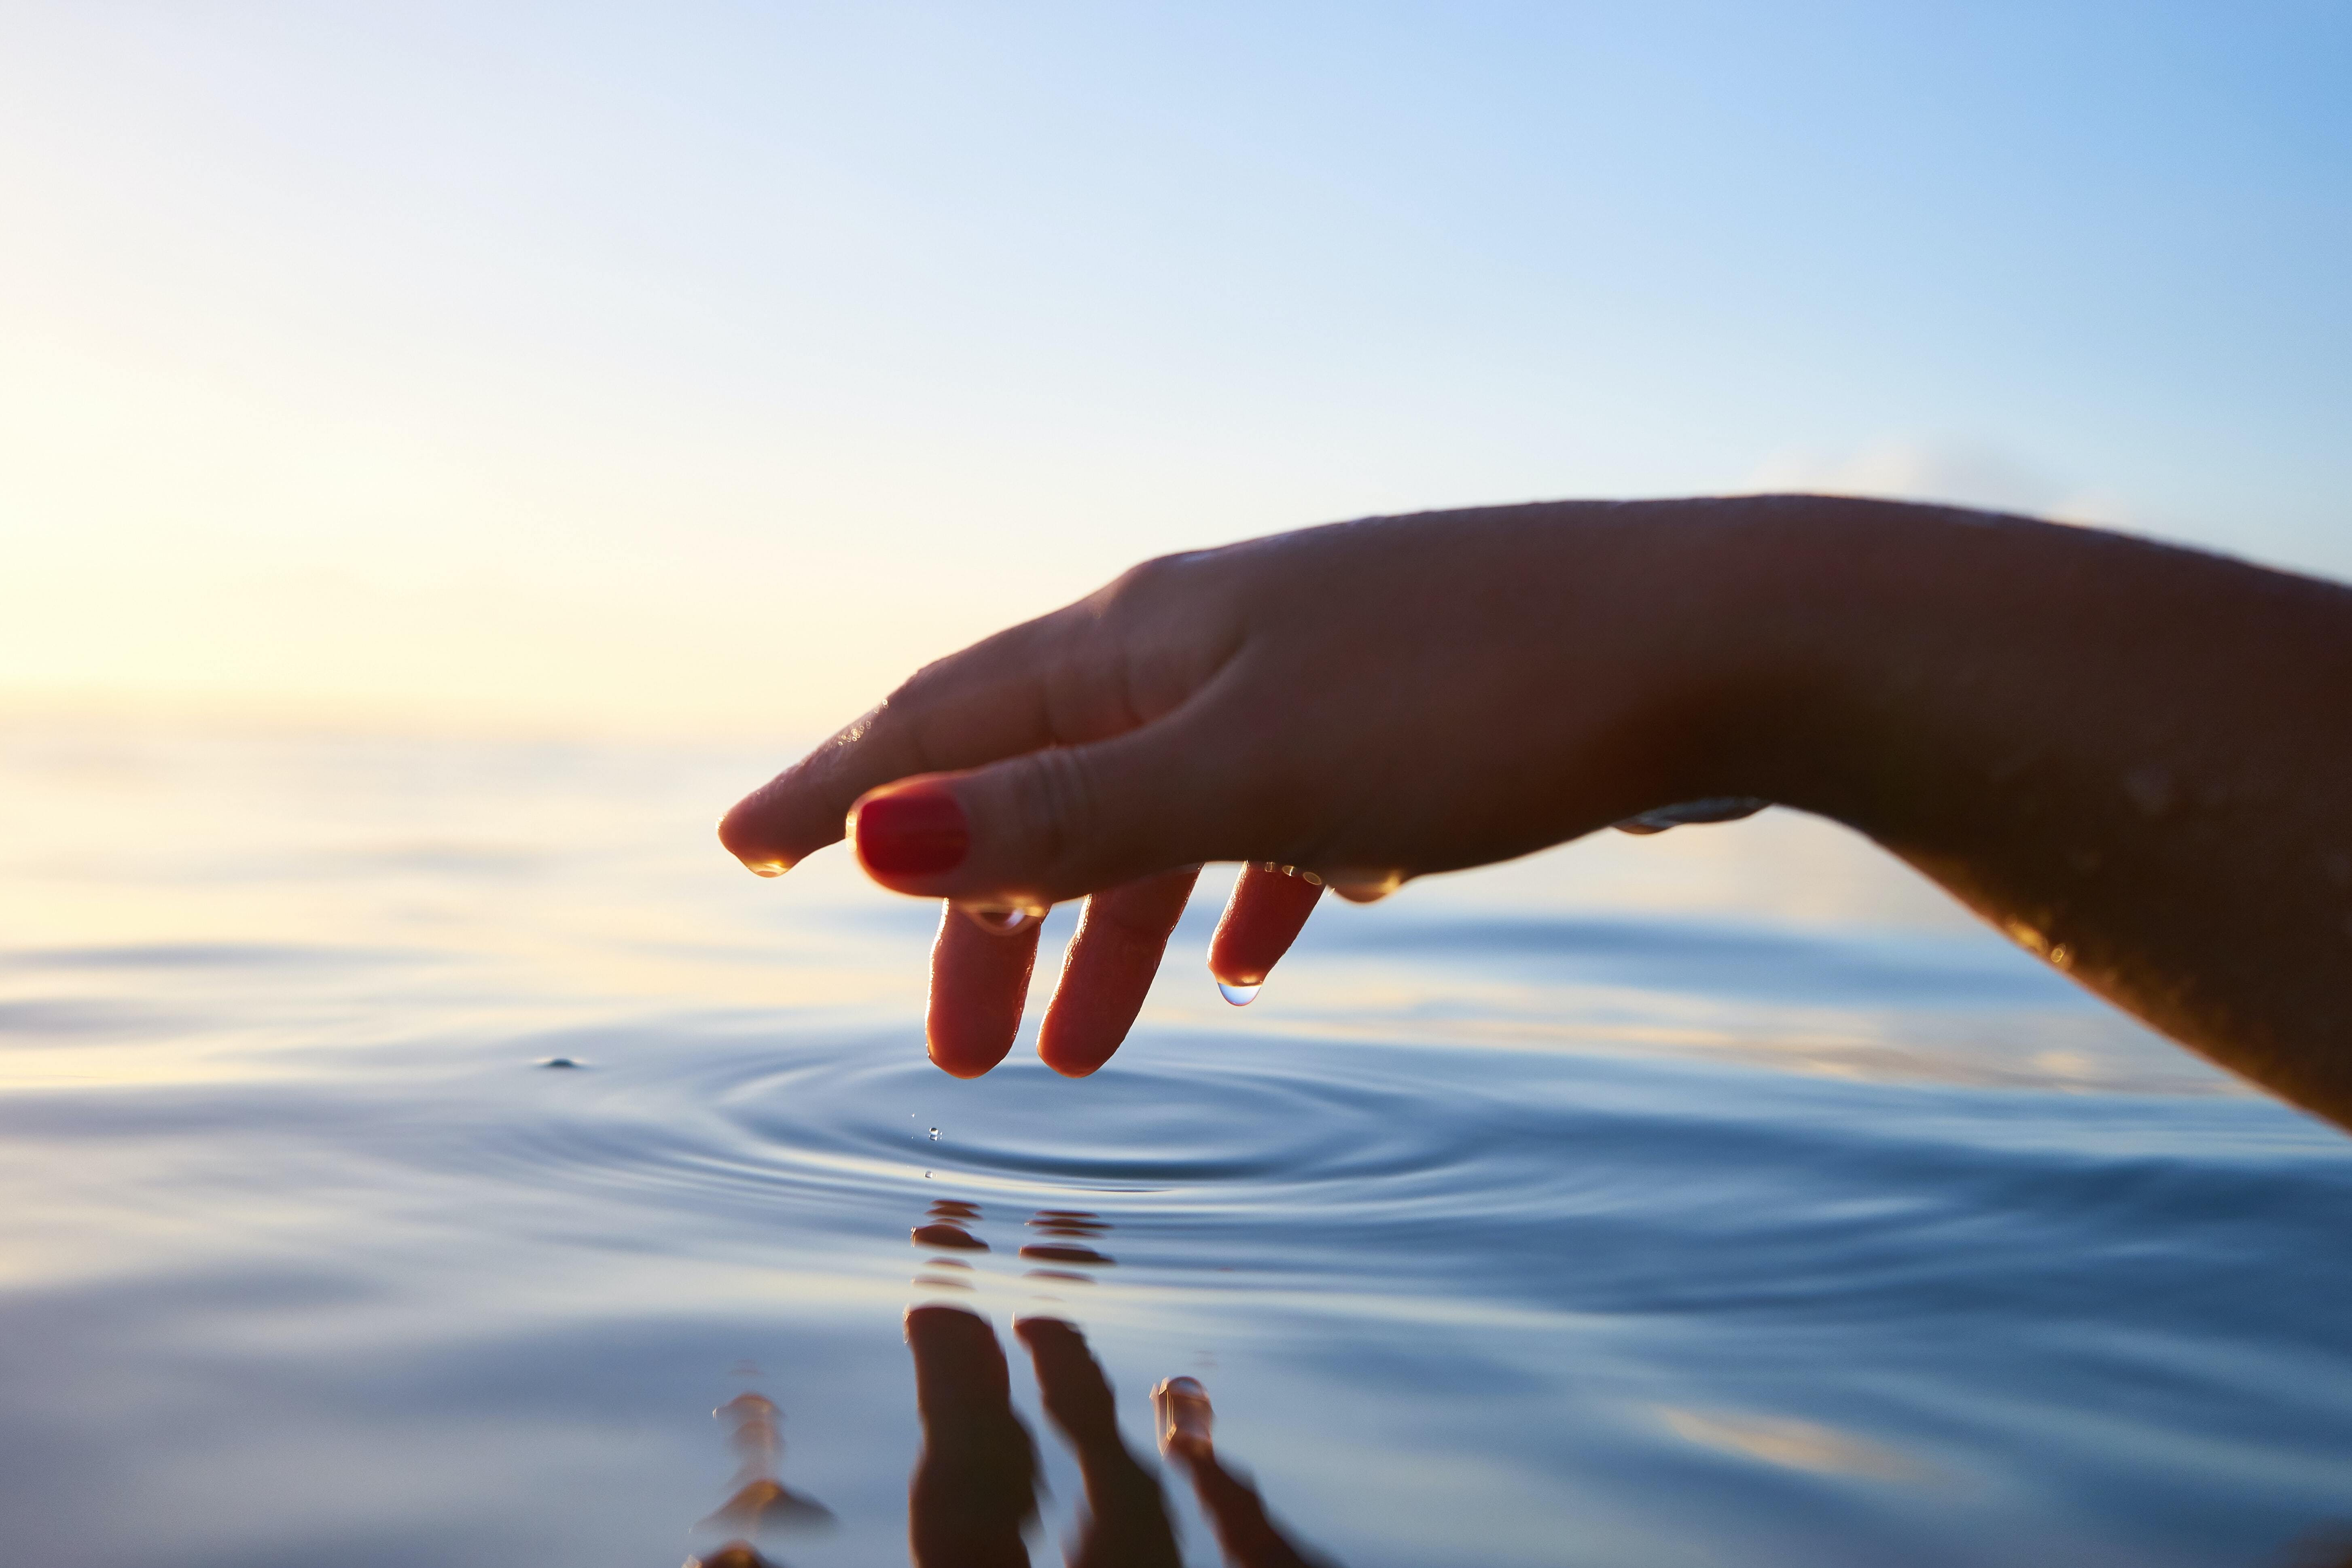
2125, 754
2136, 760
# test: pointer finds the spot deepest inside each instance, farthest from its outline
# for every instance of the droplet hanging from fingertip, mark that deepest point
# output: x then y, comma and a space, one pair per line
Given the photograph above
1004, 919
1239, 996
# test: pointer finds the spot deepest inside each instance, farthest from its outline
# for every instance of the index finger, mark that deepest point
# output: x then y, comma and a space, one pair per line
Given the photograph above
1110, 663
988, 701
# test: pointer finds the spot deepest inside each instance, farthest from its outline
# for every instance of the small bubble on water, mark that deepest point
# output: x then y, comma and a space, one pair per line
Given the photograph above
935, 1134
1239, 996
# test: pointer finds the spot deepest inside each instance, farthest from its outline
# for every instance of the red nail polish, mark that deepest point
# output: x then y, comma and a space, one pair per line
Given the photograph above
914, 833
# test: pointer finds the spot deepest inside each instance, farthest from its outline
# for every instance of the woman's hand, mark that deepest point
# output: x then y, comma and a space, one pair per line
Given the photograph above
2129, 757
1347, 706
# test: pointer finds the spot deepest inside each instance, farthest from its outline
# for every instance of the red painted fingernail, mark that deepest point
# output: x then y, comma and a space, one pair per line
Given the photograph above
914, 833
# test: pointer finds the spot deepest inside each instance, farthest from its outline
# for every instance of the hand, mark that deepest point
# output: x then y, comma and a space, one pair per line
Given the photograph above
1358, 705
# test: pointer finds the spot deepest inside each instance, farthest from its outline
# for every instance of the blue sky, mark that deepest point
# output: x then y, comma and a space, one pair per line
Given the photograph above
713, 365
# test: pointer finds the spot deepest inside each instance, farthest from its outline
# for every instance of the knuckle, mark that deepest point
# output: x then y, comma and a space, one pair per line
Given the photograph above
1055, 803
1145, 585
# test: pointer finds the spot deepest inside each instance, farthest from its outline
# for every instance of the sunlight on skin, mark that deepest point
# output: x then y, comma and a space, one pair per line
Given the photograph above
1973, 691
980, 977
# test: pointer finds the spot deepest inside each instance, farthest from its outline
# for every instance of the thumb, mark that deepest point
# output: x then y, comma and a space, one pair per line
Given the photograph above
1046, 826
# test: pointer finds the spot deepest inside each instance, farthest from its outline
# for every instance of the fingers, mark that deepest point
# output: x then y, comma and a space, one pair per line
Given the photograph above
987, 701
979, 980
1114, 661
1269, 906
1056, 824
1110, 968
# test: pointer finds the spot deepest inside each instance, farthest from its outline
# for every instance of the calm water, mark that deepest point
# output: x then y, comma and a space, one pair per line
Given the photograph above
1721, 1199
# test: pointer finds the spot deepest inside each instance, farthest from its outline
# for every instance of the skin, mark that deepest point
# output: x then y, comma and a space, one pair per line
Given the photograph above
2125, 755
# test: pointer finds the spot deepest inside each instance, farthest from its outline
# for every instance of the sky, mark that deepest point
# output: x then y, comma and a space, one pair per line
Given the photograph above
704, 368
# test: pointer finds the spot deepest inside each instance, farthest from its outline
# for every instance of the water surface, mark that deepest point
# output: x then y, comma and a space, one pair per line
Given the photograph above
1721, 1198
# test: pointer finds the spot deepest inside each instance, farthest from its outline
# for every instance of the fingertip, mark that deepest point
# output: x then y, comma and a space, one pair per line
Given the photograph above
1269, 906
960, 1069
969, 1045
742, 835
1075, 1042
1238, 976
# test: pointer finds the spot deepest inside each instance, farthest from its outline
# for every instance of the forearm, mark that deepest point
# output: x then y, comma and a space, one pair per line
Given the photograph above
2130, 757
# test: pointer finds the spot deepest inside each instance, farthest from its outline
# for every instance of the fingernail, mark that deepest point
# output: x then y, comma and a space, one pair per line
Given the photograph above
916, 832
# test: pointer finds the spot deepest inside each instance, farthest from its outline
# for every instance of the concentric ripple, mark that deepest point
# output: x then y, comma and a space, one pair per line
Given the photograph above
1183, 1125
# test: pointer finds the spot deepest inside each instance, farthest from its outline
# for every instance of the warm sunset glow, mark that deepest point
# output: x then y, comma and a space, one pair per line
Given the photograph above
711, 375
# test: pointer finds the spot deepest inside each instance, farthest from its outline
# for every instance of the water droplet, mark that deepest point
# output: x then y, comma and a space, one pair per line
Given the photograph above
1239, 996
559, 1062
1360, 886
935, 1134
767, 868
1004, 919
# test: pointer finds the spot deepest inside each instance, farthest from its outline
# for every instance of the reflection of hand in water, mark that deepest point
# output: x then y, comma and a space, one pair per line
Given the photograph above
760, 1501
976, 1486
1233, 1505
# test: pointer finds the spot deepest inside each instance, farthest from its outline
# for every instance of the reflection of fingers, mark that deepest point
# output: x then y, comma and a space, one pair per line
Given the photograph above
1186, 1417
1238, 1515
1071, 1385
975, 1485
1233, 1505
1261, 920
979, 981
958, 1367
1127, 1524
1108, 970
